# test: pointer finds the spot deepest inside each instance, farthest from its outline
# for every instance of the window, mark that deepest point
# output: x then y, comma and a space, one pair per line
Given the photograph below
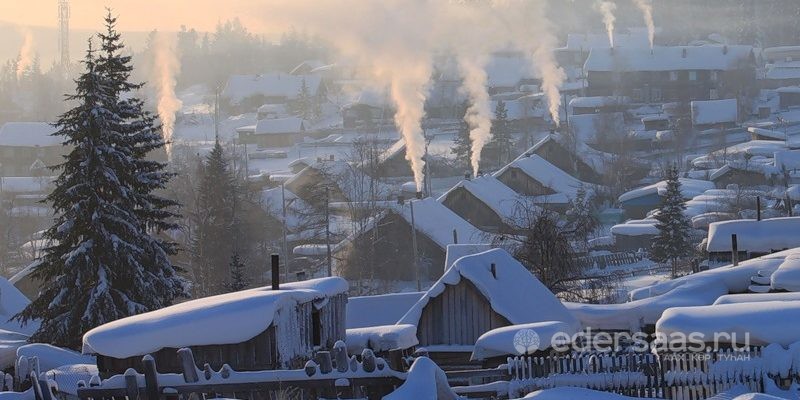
713, 94
655, 95
637, 95
692, 75
714, 75
316, 328
673, 75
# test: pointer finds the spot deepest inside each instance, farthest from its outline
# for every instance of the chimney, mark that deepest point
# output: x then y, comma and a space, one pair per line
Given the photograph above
683, 53
494, 270
611, 50
758, 208
419, 195
276, 272
455, 236
401, 200
725, 49
332, 158
467, 175
734, 250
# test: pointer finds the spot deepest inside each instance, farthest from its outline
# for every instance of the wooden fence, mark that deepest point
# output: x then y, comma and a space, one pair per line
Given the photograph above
332, 375
679, 376
609, 260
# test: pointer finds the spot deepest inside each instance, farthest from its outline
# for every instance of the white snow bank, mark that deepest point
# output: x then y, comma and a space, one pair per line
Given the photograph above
757, 298
26, 395
755, 236
764, 322
379, 310
787, 277
425, 381
698, 289
574, 393
503, 341
381, 338
514, 292
51, 357
243, 315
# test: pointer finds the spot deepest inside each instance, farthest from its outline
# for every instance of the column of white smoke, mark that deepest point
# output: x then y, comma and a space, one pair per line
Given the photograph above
26, 55
531, 31
479, 113
166, 67
646, 7
607, 8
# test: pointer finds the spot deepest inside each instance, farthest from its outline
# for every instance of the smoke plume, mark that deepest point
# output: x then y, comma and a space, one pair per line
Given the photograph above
395, 42
26, 55
646, 6
166, 67
607, 8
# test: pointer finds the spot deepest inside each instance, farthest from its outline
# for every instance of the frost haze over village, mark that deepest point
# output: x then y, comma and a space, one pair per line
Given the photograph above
399, 199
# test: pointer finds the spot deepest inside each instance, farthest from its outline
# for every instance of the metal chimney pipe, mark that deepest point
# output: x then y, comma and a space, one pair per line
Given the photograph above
734, 250
419, 195
455, 236
758, 208
276, 270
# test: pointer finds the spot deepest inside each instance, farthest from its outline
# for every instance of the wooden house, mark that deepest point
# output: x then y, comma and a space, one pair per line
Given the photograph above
638, 202
634, 235
743, 174
486, 203
547, 184
277, 132
390, 237
477, 294
753, 238
256, 329
27, 148
344, 182
393, 164
671, 73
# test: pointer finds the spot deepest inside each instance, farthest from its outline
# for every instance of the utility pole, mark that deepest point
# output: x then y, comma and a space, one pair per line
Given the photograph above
328, 230
414, 246
283, 229
63, 37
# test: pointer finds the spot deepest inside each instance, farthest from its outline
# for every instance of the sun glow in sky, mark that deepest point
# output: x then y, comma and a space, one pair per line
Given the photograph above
136, 15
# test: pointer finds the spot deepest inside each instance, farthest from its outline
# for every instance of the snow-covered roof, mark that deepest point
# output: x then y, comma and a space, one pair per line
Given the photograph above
703, 288
787, 276
755, 236
386, 309
689, 189
783, 70
635, 228
550, 176
12, 302
240, 87
513, 292
761, 323
788, 159
598, 101
26, 184
381, 338
496, 195
591, 128
243, 314
714, 112
757, 297
671, 58
507, 69
596, 160
500, 342
589, 41
29, 134
437, 222
280, 125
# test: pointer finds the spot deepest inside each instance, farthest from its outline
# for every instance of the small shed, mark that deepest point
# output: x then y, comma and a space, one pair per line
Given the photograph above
638, 202
715, 113
477, 294
486, 203
743, 174
789, 96
634, 235
256, 329
277, 132
598, 104
754, 238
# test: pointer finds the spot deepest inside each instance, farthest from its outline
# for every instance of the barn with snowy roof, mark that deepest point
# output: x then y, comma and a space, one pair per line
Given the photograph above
24, 145
389, 235
479, 293
256, 329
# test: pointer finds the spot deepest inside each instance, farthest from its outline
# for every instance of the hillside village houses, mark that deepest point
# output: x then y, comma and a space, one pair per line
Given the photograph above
27, 148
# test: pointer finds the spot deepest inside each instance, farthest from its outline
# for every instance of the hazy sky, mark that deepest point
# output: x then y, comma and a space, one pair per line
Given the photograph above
136, 15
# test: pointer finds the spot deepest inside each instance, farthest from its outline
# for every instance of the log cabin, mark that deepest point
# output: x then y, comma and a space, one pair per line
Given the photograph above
250, 330
486, 203
477, 294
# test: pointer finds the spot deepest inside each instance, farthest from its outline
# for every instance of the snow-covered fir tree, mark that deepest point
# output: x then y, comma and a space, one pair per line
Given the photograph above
501, 133
462, 144
238, 274
672, 242
103, 264
580, 216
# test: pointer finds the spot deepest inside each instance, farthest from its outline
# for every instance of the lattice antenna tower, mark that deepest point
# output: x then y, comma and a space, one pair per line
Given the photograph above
63, 24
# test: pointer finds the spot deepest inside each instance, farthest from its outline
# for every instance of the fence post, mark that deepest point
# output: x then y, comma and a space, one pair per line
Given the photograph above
150, 377
131, 384
188, 366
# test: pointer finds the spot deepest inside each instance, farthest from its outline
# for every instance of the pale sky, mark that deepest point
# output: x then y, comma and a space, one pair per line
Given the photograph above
135, 15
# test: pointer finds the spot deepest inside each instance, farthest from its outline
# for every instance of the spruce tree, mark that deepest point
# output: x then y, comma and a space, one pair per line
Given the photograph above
303, 105
462, 144
238, 274
501, 133
672, 242
103, 264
